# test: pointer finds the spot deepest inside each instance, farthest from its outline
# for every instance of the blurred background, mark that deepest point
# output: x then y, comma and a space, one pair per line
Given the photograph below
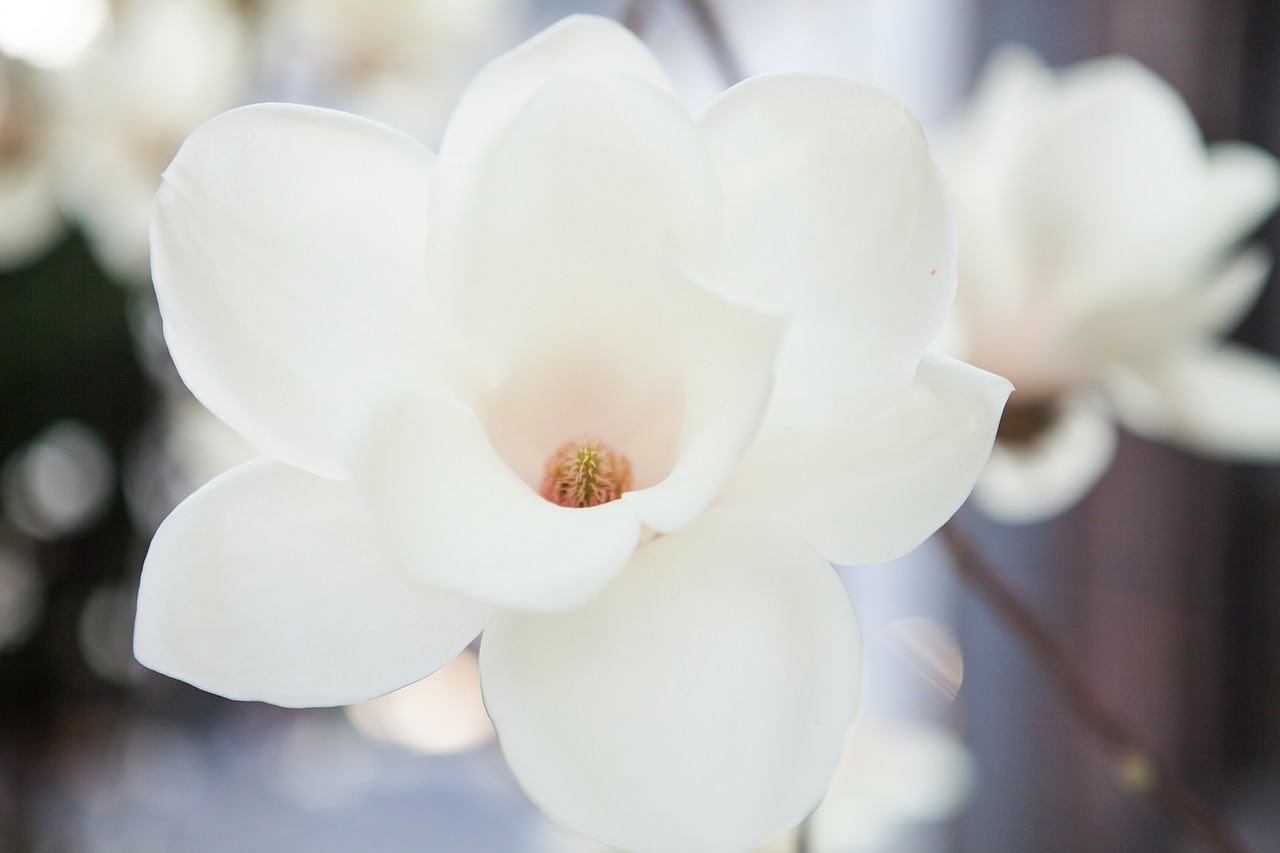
1164, 582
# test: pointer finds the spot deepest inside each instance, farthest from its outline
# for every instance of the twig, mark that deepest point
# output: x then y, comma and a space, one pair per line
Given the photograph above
635, 15
713, 35
1136, 766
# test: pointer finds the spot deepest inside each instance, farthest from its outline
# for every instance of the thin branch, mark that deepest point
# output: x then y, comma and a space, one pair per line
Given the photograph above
713, 35
635, 15
1136, 766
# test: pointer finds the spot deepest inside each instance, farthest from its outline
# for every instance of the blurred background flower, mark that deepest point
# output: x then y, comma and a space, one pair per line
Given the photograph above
126, 103
1162, 578
1101, 265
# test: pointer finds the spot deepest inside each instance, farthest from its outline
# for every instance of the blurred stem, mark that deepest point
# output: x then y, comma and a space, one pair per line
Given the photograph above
1136, 767
713, 34
636, 14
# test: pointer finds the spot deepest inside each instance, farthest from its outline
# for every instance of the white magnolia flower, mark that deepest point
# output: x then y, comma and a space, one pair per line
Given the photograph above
454, 363
1100, 270
165, 68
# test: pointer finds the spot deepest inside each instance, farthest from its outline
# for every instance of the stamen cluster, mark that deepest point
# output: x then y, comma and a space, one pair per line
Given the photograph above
584, 473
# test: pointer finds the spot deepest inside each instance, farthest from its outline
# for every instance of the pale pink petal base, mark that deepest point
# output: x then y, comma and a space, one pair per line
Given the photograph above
458, 518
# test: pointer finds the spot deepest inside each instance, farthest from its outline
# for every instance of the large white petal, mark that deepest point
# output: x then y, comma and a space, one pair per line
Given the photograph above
837, 218
270, 584
1036, 481
557, 235
871, 492
460, 519
504, 85
697, 704
1224, 402
288, 250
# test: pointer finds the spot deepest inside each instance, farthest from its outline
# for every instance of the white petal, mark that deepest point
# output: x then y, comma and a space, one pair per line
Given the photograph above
835, 217
558, 235
1037, 482
1223, 402
29, 220
288, 250
1133, 332
460, 519
270, 584
697, 704
727, 359
1242, 188
892, 774
506, 84
871, 492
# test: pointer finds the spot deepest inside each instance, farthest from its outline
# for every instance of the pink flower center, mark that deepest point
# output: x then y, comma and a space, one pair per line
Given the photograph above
585, 473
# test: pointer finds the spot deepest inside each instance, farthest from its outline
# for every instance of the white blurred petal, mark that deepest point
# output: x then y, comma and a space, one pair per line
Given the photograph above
1107, 179
442, 713
1036, 481
891, 774
1224, 402
1241, 189
1140, 331
51, 33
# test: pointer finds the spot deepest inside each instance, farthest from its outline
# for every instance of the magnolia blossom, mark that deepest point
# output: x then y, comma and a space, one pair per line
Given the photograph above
124, 110
1100, 270
614, 384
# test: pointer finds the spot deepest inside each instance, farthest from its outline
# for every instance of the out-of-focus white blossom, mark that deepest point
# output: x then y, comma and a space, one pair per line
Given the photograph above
29, 220
614, 384
200, 445
165, 68
442, 713
402, 62
1100, 269
60, 482
51, 33
892, 776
